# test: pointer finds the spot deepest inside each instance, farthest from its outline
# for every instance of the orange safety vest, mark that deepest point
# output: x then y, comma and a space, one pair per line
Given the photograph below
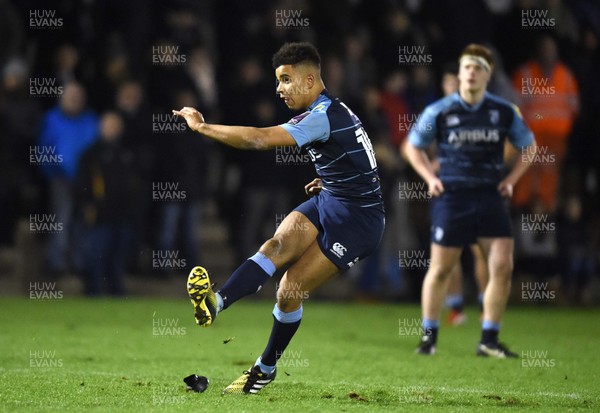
549, 103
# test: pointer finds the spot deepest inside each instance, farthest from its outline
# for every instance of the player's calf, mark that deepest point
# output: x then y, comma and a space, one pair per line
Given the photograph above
290, 297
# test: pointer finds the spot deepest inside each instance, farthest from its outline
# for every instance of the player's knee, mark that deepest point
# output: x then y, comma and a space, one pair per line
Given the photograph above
272, 247
501, 271
439, 273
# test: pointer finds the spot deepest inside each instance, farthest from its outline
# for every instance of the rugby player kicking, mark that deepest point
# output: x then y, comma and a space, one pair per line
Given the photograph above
342, 223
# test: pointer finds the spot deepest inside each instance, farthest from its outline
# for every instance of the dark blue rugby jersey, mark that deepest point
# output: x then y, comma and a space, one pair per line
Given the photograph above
340, 149
470, 138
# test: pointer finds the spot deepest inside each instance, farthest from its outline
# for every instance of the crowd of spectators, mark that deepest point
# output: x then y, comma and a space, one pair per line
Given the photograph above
88, 91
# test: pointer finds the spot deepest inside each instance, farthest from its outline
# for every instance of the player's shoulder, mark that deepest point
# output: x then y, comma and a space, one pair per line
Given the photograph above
502, 103
339, 114
323, 103
441, 105
497, 100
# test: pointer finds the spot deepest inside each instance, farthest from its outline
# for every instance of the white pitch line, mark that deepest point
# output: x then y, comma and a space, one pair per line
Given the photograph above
466, 390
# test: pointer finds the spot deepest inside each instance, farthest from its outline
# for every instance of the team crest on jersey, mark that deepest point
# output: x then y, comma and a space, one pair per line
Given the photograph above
494, 116
452, 120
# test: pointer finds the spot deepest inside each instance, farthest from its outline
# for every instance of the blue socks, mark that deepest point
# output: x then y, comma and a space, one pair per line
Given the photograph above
430, 328
427, 323
247, 279
285, 326
454, 301
489, 332
263, 367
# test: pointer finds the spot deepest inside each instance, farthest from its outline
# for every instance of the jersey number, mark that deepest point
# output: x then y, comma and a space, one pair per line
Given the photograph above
363, 138
313, 154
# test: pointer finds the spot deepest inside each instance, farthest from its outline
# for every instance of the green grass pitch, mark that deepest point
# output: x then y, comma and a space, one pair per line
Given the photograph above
131, 355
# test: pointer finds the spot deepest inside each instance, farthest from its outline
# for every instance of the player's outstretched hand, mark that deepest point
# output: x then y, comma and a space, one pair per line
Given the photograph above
506, 189
193, 118
436, 188
314, 187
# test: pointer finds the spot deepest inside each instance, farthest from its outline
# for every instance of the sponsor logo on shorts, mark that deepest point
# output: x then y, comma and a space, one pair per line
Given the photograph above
438, 233
338, 249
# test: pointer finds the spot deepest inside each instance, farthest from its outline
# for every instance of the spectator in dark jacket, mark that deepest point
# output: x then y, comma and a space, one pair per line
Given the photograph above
107, 192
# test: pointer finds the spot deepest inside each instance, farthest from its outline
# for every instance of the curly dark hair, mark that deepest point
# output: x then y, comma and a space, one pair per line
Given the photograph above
294, 53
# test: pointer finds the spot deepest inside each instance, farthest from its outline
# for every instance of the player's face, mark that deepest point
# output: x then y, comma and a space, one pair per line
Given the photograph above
472, 76
293, 85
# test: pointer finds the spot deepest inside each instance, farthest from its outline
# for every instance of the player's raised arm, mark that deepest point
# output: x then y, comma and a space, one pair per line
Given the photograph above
240, 137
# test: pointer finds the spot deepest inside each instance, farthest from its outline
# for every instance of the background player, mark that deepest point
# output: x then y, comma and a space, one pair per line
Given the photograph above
455, 298
470, 128
323, 236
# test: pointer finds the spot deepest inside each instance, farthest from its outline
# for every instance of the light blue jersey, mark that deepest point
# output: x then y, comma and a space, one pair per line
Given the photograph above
470, 139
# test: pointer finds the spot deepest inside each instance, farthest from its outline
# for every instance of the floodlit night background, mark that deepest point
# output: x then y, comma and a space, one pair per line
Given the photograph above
84, 81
